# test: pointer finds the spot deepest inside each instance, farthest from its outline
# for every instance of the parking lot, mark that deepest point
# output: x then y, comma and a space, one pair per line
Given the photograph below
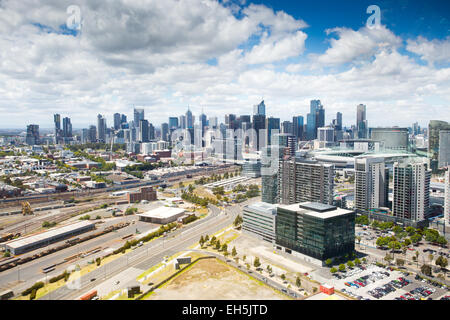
376, 283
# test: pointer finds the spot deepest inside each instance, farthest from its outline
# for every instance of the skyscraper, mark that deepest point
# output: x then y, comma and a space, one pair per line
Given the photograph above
315, 119
287, 127
259, 109
143, 135
138, 116
411, 190
92, 134
434, 128
58, 131
67, 129
444, 148
173, 123
371, 183
189, 119
117, 121
259, 124
101, 128
361, 121
302, 180
297, 127
338, 126
273, 127
447, 197
165, 132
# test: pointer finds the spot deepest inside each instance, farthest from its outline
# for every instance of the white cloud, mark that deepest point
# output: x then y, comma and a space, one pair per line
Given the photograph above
354, 46
431, 51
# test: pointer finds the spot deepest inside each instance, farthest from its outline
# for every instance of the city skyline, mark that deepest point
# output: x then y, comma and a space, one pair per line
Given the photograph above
284, 52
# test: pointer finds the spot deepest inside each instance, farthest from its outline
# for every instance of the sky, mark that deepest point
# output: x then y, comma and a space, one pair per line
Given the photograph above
223, 57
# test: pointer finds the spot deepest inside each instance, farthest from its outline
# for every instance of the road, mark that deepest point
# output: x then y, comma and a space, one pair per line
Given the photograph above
152, 253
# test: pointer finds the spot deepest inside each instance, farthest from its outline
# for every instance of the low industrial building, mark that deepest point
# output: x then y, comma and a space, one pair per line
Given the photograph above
145, 193
34, 242
162, 215
314, 231
259, 221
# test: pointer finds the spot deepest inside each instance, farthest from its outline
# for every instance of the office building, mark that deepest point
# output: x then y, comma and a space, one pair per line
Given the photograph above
411, 199
32, 138
287, 127
325, 134
392, 138
361, 122
338, 124
189, 119
315, 232
315, 119
259, 125
273, 127
173, 123
259, 221
444, 149
371, 183
301, 180
260, 109
297, 127
434, 128
213, 123
145, 193
92, 134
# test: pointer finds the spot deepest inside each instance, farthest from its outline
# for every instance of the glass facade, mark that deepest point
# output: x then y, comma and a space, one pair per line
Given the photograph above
314, 236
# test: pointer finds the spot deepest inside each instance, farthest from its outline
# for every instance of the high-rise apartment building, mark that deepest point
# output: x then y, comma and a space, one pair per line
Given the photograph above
101, 128
67, 129
143, 135
444, 149
165, 132
32, 137
447, 197
189, 119
411, 190
434, 128
371, 183
138, 116
301, 180
117, 121
58, 131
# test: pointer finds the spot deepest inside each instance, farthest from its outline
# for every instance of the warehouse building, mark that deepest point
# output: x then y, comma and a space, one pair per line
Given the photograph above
145, 193
34, 242
162, 215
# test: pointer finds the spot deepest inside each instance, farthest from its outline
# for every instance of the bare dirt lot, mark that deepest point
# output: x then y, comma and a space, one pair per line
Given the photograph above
213, 280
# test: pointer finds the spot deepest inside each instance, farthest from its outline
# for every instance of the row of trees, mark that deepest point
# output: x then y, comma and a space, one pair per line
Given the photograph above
193, 198
216, 177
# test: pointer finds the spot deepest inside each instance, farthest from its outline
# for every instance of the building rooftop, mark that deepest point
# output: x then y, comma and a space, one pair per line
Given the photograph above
162, 212
263, 207
47, 235
318, 210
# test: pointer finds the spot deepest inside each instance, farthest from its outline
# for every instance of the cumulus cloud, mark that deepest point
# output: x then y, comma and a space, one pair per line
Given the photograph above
354, 46
431, 51
166, 55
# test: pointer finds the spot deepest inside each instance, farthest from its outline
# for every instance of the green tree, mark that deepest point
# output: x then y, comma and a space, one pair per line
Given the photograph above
234, 252
256, 263
426, 270
441, 241
218, 244
328, 262
283, 277
298, 282
334, 270
201, 241
350, 264
416, 238
442, 262
357, 262
400, 262
342, 267
224, 247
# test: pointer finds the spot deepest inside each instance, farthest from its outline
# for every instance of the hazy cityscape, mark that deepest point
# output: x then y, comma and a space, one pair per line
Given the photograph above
218, 180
